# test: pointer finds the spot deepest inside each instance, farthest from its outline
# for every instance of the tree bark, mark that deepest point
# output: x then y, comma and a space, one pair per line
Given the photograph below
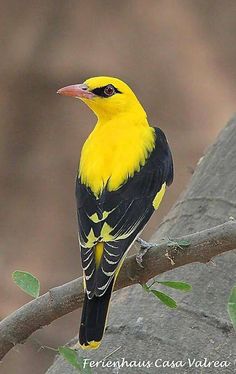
200, 327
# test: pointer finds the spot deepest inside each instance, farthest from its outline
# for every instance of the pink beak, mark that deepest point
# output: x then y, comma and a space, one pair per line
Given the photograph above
79, 91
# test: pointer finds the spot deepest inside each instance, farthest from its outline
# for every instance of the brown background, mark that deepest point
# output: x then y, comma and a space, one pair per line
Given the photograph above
178, 56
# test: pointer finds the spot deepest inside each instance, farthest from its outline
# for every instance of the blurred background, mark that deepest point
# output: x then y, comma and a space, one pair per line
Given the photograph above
178, 56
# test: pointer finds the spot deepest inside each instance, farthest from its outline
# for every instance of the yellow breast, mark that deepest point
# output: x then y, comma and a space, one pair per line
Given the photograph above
113, 152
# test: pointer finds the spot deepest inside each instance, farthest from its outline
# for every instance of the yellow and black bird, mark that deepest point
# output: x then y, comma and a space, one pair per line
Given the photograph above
124, 169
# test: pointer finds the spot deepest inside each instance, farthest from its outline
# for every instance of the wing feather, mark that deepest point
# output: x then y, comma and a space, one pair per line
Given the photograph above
117, 217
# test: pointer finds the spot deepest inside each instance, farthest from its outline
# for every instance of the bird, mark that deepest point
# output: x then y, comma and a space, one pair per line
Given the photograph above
124, 169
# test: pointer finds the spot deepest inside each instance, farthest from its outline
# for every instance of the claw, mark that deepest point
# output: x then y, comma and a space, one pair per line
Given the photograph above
144, 247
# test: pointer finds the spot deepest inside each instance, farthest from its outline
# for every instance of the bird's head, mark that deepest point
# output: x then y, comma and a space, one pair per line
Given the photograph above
105, 96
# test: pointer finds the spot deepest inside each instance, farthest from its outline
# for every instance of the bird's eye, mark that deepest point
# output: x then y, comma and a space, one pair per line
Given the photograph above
109, 90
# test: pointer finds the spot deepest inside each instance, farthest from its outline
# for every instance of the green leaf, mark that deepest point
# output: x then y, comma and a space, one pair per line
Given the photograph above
232, 306
183, 243
27, 282
178, 243
165, 299
70, 356
181, 286
145, 287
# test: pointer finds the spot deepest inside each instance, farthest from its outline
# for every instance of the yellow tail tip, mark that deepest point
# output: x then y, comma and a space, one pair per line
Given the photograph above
91, 345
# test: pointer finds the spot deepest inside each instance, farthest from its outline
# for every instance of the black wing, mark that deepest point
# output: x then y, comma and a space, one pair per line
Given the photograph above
117, 217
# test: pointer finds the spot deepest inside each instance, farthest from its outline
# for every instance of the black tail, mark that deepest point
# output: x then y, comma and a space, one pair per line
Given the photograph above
93, 319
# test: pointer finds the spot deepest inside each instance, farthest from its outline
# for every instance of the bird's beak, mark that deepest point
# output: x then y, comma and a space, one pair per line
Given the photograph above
79, 91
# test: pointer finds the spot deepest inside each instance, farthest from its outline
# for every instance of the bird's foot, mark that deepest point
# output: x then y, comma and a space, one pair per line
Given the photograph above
144, 247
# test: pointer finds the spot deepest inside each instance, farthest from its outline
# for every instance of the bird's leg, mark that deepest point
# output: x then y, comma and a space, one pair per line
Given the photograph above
144, 247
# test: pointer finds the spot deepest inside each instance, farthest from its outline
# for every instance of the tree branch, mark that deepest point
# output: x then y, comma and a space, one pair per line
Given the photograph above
204, 245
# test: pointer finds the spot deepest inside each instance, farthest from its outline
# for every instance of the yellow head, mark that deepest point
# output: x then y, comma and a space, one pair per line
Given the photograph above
106, 97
